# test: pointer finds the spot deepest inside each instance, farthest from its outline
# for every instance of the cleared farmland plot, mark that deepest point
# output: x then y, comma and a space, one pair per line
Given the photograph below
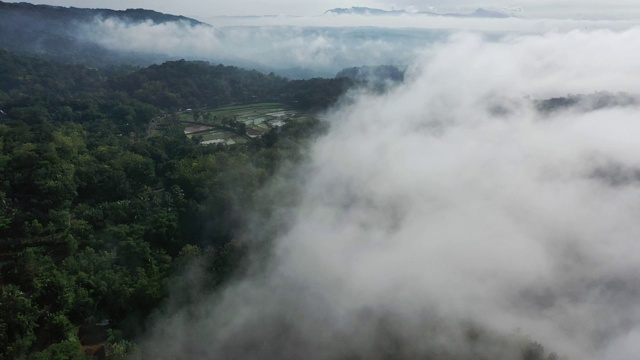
209, 124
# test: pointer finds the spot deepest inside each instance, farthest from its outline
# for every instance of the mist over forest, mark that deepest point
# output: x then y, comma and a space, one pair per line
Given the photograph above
360, 184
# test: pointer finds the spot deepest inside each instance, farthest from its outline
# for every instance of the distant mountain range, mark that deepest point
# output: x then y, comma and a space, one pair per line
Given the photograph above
55, 33
478, 13
364, 11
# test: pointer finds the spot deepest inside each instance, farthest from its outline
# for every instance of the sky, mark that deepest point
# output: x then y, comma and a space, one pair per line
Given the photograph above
204, 9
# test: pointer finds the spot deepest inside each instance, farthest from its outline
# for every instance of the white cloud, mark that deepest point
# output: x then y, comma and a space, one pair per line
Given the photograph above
322, 44
322, 50
424, 209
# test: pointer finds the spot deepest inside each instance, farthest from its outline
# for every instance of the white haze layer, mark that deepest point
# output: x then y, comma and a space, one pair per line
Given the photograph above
323, 50
323, 45
450, 197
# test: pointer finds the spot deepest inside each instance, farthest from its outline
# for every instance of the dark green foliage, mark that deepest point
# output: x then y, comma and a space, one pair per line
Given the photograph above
188, 84
315, 94
98, 216
40, 79
18, 317
64, 350
182, 84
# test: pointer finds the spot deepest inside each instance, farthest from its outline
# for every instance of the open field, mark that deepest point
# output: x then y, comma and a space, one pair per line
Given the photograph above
213, 124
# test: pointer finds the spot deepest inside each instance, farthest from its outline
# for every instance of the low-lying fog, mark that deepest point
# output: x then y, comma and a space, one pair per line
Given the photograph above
314, 46
447, 204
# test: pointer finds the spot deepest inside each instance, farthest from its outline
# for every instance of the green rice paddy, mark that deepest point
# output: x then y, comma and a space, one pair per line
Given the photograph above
259, 118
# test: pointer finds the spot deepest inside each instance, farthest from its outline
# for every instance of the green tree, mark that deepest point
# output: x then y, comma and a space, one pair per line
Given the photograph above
64, 350
18, 317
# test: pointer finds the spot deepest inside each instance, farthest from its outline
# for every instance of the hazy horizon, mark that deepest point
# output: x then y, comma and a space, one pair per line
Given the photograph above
202, 9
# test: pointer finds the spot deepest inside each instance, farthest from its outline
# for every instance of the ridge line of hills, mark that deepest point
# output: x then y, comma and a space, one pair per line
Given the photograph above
478, 13
132, 14
56, 33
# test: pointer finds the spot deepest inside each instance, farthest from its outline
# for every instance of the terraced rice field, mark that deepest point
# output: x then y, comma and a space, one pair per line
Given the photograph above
259, 119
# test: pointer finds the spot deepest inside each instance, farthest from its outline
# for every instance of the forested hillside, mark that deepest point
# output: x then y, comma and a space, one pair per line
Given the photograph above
54, 33
99, 216
195, 84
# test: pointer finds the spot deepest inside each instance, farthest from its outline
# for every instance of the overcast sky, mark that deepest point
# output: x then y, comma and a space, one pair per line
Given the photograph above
203, 9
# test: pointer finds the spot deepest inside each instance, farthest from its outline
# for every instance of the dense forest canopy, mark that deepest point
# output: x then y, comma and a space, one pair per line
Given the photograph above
98, 215
190, 84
